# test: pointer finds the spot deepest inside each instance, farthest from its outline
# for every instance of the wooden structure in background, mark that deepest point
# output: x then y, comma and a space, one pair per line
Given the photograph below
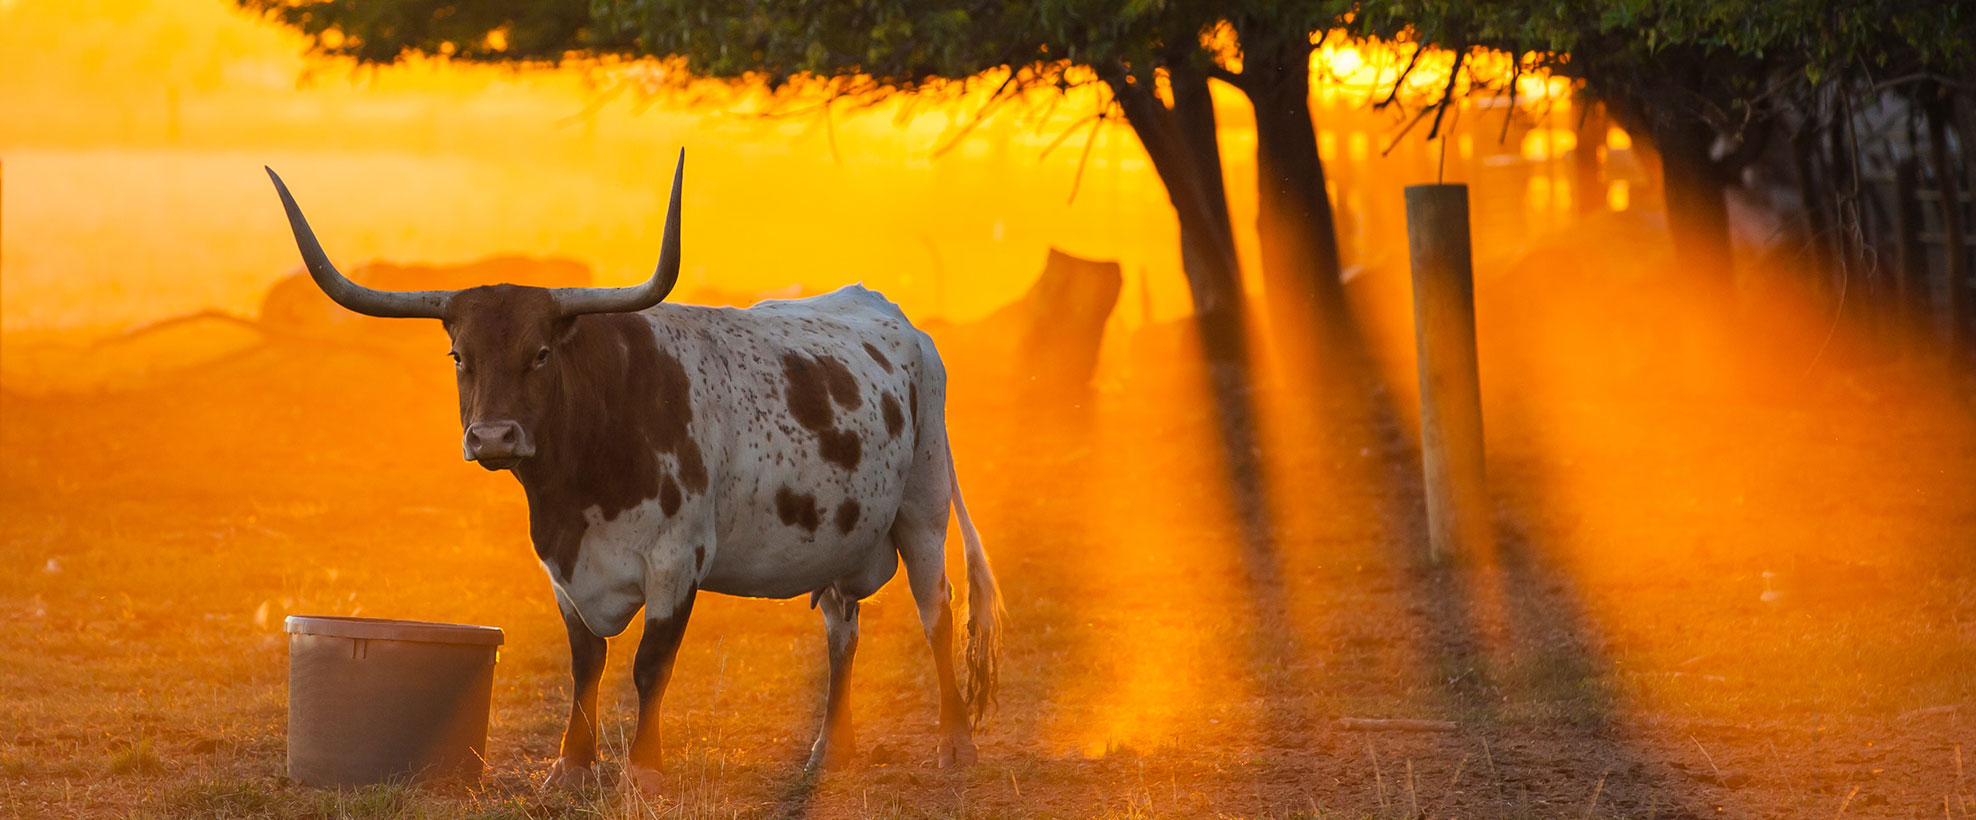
1925, 240
1047, 342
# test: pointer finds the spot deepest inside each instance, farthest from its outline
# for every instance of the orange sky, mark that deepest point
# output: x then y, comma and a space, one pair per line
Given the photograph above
149, 121
137, 129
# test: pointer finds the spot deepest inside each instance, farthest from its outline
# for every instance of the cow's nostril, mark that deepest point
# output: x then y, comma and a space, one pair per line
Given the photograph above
508, 435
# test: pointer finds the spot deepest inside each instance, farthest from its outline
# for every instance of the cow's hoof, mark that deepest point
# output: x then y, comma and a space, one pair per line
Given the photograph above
568, 775
647, 782
956, 753
831, 757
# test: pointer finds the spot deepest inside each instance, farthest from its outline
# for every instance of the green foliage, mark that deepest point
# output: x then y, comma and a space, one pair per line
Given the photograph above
896, 44
1610, 40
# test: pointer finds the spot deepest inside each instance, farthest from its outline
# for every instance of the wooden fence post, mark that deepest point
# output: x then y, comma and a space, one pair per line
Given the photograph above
1450, 388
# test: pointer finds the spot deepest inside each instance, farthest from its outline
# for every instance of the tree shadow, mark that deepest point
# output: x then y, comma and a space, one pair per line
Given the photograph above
1499, 642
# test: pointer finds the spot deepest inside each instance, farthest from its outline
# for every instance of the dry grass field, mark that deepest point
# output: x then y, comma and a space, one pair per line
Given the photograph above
1752, 603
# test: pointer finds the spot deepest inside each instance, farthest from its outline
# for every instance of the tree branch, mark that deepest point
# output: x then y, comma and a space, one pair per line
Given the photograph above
1401, 80
1447, 94
1090, 140
980, 116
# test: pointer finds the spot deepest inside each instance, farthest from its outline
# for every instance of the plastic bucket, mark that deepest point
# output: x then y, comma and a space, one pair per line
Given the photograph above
372, 700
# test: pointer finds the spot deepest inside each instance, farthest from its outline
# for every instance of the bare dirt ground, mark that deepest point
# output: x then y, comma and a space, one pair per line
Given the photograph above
1615, 655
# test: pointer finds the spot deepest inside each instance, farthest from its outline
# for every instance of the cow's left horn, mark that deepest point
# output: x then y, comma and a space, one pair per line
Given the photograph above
423, 304
575, 301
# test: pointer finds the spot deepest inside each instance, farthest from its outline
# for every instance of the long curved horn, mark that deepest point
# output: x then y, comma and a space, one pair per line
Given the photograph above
423, 304
574, 301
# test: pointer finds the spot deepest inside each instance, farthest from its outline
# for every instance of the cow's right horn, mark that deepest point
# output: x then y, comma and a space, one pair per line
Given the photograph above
424, 304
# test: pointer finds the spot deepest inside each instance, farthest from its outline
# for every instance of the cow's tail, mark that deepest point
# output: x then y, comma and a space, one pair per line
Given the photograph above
982, 646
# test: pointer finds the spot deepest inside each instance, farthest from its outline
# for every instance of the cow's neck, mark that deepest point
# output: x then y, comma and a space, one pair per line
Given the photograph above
590, 448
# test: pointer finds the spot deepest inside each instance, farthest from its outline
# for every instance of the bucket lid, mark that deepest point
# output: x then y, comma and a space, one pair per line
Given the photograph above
387, 629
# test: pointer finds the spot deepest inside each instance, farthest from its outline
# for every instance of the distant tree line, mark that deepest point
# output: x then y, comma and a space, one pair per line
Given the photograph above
1710, 85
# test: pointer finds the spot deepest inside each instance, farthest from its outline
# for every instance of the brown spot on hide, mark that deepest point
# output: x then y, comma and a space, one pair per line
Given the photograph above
809, 399
797, 509
840, 446
814, 389
895, 420
847, 516
843, 386
669, 498
878, 357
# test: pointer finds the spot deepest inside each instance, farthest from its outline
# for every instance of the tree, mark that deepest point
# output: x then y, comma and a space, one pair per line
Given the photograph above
1711, 84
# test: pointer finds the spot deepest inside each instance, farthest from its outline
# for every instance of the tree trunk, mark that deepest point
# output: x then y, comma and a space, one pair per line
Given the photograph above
1181, 144
1299, 239
1963, 105
1818, 211
1697, 210
1666, 102
1848, 257
1956, 253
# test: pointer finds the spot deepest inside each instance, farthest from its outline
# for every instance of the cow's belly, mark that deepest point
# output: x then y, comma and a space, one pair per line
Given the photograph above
791, 522
774, 544
771, 565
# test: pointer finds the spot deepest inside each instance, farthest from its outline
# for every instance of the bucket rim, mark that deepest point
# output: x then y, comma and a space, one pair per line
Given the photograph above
391, 629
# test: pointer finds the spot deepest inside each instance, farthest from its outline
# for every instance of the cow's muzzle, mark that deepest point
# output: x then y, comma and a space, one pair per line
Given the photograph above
497, 445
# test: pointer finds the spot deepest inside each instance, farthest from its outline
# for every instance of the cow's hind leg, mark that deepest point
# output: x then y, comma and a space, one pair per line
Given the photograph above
574, 766
836, 743
651, 669
920, 534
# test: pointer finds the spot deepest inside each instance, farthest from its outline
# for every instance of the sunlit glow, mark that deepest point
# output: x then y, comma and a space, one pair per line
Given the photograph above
1539, 194
1345, 61
1619, 195
1547, 143
1617, 139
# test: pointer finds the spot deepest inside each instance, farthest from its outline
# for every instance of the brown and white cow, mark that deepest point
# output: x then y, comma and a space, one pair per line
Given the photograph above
795, 447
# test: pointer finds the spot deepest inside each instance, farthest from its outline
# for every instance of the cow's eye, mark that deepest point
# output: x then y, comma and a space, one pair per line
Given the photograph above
541, 357
457, 363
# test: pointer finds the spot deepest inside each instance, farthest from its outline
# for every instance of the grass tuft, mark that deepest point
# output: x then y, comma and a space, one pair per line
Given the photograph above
222, 800
137, 758
385, 801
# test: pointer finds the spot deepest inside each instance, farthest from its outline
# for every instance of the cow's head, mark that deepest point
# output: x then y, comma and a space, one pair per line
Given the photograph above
506, 338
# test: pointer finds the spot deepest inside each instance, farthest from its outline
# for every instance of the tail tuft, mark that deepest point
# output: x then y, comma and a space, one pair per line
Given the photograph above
982, 646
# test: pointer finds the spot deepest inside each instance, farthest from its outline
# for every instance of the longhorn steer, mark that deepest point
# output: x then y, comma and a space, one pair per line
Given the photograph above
793, 447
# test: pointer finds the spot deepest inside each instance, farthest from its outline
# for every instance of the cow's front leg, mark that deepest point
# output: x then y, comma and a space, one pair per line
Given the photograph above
836, 744
650, 671
574, 767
